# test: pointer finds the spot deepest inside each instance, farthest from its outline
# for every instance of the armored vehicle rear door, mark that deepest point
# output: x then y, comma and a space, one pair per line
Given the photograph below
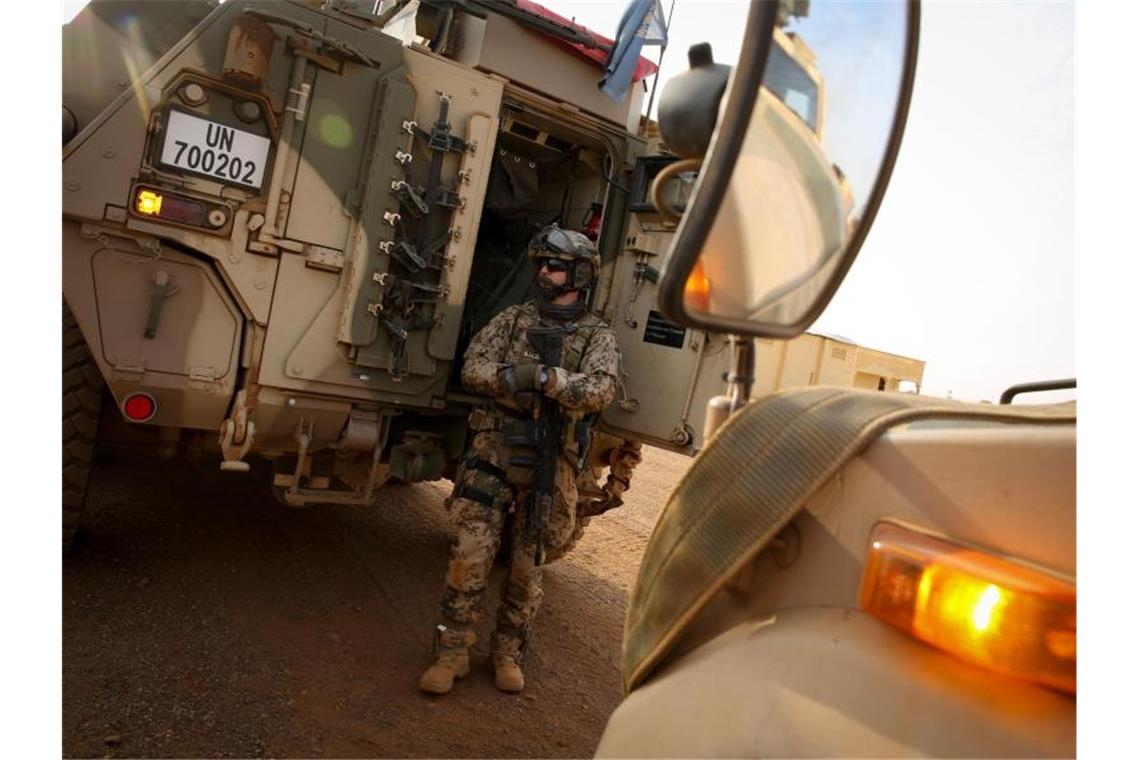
669, 372
387, 179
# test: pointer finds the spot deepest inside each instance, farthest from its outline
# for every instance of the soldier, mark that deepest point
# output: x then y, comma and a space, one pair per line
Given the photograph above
496, 485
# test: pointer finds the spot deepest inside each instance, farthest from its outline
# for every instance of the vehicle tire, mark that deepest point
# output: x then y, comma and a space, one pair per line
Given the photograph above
82, 398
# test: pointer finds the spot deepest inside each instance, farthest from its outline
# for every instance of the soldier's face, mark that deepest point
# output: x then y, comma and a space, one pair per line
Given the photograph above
555, 277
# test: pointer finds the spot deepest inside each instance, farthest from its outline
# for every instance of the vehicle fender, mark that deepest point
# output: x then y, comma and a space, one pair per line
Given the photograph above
832, 681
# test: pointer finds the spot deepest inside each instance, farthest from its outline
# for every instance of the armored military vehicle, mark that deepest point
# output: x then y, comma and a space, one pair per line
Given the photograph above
841, 572
284, 221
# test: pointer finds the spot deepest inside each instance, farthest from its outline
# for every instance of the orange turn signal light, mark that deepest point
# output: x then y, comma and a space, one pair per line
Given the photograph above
697, 289
148, 202
983, 608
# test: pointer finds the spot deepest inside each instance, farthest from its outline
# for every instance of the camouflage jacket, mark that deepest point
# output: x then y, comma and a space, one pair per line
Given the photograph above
584, 383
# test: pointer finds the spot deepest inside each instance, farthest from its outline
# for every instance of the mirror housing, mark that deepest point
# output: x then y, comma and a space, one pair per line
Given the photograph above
690, 103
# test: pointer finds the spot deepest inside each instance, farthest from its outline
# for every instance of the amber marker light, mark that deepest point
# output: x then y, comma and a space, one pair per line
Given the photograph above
984, 608
148, 202
697, 289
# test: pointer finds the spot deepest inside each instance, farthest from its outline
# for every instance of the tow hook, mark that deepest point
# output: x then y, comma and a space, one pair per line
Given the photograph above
236, 437
232, 451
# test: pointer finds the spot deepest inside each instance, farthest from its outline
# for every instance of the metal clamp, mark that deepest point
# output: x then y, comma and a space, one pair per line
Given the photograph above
304, 437
409, 198
391, 217
403, 158
682, 434
409, 126
302, 103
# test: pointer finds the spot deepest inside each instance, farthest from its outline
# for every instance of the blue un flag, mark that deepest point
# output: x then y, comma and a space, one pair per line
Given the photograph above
643, 23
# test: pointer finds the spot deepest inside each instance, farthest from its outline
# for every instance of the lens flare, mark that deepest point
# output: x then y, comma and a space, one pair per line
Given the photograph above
133, 31
698, 289
984, 609
335, 130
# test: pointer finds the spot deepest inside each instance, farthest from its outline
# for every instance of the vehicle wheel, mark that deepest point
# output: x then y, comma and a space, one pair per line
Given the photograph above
82, 397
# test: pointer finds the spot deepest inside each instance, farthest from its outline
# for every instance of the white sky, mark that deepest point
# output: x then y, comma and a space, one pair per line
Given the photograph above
969, 264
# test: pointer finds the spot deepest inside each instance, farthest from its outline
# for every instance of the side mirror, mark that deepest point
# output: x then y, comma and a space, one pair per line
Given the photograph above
810, 127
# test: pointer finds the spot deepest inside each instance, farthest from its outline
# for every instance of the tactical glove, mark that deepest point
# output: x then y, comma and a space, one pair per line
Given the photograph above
516, 378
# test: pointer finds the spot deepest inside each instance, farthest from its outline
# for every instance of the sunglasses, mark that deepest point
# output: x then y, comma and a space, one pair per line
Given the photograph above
554, 265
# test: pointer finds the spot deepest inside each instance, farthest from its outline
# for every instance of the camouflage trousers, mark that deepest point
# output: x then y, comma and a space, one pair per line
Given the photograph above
479, 528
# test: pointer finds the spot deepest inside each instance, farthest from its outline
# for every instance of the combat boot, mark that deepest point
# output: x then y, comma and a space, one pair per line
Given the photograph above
508, 674
452, 660
506, 656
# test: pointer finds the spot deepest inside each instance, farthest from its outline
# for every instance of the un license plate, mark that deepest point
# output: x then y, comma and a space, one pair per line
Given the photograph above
214, 150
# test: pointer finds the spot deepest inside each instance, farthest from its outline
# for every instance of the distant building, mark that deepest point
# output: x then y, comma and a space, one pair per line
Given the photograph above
813, 359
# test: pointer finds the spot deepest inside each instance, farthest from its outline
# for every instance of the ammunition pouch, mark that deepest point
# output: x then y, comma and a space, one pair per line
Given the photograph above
524, 434
521, 433
521, 438
520, 470
483, 420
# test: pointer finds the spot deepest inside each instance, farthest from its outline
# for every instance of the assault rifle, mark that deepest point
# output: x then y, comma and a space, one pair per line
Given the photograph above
548, 432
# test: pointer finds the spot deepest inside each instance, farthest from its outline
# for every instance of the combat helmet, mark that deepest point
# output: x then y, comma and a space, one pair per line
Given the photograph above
553, 242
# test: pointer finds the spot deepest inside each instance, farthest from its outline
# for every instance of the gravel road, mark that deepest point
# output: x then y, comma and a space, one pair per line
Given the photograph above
203, 619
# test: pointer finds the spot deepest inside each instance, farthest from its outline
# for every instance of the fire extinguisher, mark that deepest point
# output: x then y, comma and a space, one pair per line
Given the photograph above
593, 221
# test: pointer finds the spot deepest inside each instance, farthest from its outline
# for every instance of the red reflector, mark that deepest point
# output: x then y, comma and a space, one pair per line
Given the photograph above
140, 407
182, 210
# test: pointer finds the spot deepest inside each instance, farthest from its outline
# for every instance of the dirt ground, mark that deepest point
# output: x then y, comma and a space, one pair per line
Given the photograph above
203, 619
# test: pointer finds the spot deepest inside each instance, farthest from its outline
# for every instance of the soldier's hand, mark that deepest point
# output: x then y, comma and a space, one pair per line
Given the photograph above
516, 378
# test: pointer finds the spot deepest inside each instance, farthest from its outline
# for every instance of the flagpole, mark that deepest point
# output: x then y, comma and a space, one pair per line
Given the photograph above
644, 129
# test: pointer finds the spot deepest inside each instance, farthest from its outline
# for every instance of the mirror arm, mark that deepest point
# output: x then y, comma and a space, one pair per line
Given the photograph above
657, 190
743, 370
739, 380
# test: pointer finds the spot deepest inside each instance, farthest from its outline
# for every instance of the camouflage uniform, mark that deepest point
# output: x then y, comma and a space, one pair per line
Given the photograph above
586, 382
